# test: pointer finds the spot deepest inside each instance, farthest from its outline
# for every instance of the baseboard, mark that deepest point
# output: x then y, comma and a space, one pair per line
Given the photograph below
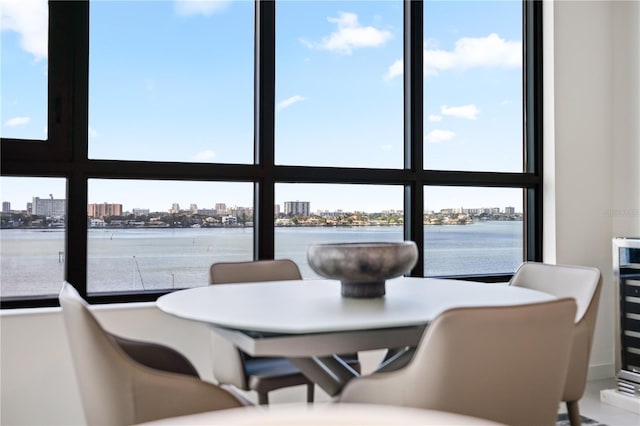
617, 399
601, 371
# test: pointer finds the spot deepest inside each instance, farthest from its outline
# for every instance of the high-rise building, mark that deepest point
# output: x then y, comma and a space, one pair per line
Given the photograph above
297, 208
246, 213
221, 208
206, 212
49, 207
509, 210
103, 210
6, 206
175, 208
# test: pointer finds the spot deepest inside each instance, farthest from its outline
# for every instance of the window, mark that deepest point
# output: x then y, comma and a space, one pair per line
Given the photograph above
171, 81
337, 213
33, 227
473, 106
205, 131
472, 231
24, 69
158, 235
335, 105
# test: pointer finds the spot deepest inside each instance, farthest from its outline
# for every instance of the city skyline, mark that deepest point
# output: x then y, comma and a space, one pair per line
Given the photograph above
157, 196
177, 208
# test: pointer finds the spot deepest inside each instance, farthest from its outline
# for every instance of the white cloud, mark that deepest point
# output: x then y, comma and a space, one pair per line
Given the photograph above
437, 136
290, 101
468, 52
199, 7
306, 42
93, 133
30, 19
434, 118
350, 35
17, 121
205, 155
396, 69
470, 112
387, 147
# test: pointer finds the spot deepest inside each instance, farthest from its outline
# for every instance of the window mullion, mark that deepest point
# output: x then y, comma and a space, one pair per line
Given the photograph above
413, 128
75, 123
533, 131
264, 125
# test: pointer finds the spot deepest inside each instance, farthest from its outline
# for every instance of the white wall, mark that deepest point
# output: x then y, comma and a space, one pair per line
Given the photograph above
592, 144
592, 139
625, 209
38, 384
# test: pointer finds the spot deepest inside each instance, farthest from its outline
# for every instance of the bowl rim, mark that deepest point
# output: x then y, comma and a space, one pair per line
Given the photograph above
365, 244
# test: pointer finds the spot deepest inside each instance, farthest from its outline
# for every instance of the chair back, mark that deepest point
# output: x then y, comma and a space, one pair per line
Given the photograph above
254, 271
583, 284
578, 282
228, 364
103, 382
115, 389
506, 364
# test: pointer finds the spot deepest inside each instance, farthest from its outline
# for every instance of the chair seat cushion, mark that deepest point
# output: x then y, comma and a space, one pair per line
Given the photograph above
265, 374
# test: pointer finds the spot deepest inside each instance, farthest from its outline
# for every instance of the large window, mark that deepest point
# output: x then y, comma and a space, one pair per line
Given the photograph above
189, 132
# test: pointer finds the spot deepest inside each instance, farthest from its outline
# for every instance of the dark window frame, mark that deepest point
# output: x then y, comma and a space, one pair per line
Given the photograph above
65, 152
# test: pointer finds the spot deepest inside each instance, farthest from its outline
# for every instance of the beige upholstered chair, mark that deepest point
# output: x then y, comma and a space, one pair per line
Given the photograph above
506, 364
117, 389
234, 367
254, 271
583, 284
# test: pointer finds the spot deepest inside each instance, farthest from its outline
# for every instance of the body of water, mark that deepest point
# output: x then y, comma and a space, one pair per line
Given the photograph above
32, 261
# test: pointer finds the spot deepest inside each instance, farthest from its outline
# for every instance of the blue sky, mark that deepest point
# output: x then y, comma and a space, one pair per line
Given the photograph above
173, 80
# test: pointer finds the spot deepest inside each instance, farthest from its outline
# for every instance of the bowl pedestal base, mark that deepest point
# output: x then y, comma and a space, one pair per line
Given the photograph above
366, 290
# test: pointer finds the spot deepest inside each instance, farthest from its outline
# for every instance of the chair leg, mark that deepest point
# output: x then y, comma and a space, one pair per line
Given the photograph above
574, 413
263, 398
310, 390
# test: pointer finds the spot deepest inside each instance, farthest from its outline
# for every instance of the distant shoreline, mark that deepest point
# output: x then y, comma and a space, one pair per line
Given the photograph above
352, 225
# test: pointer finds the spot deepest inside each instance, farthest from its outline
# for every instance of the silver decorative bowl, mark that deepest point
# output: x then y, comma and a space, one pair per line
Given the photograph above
362, 268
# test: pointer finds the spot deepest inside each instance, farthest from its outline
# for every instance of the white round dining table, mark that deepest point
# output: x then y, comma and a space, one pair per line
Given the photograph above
308, 321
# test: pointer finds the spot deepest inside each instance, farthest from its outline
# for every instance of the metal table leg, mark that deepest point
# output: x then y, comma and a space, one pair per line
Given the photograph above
331, 373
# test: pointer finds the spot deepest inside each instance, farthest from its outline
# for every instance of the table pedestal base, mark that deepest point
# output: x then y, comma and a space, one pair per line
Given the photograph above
329, 372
